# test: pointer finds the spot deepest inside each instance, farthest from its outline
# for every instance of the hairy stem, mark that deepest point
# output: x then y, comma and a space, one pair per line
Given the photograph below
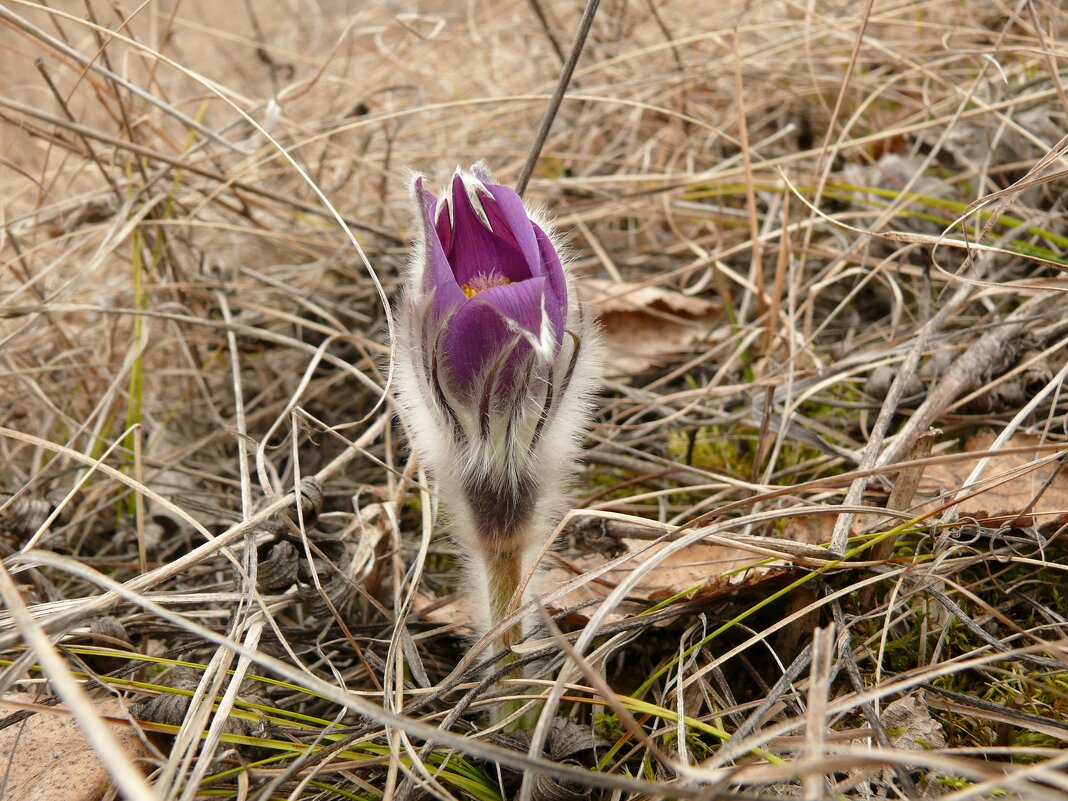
504, 572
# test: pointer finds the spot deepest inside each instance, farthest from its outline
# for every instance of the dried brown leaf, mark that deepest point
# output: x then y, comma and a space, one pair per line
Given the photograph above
701, 570
1023, 500
46, 756
647, 325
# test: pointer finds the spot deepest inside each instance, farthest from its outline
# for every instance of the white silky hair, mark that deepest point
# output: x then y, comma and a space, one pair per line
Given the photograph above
537, 442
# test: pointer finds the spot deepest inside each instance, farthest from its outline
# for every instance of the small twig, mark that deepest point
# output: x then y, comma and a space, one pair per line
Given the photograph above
124, 114
966, 620
736, 745
819, 688
962, 373
558, 95
905, 484
539, 12
1051, 61
668, 37
970, 704
39, 63
849, 662
274, 68
756, 262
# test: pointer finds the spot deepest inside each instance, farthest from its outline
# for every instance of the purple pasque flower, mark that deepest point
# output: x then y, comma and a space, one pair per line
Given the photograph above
498, 289
490, 379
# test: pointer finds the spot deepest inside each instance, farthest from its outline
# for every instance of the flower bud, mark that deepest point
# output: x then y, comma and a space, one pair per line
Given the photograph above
498, 289
496, 363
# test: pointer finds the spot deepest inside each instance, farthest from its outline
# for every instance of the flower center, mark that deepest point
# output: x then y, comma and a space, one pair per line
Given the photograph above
482, 282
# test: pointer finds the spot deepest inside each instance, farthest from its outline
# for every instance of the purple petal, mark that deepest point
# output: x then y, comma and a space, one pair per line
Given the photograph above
552, 269
511, 222
437, 275
473, 249
441, 224
488, 323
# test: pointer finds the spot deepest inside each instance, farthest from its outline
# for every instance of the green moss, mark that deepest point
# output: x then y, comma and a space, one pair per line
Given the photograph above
901, 653
699, 749
954, 782
607, 725
711, 448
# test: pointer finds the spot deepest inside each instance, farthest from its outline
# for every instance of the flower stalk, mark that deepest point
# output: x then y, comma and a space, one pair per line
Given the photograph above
496, 364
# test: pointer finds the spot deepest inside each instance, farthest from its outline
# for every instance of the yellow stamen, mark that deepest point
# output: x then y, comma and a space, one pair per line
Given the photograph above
482, 282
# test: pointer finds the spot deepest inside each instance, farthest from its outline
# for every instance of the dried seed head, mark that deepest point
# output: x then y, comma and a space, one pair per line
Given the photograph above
277, 566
